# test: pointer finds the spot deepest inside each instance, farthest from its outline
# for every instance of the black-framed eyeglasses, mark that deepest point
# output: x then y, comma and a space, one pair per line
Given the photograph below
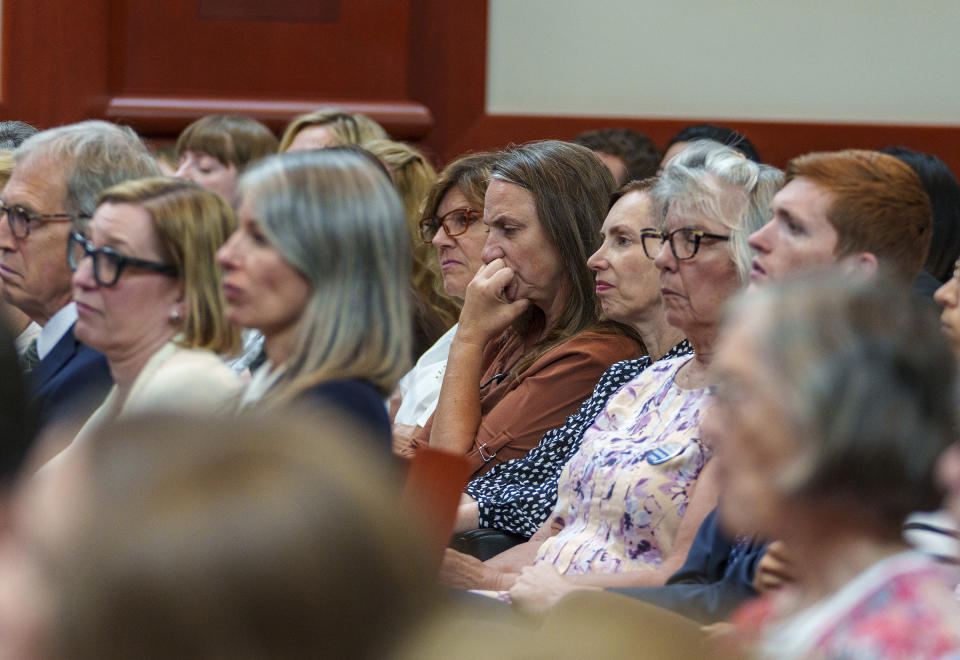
684, 242
455, 222
20, 218
108, 265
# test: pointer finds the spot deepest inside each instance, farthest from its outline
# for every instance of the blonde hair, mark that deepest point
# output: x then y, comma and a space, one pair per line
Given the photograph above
192, 223
414, 178
348, 127
274, 536
335, 217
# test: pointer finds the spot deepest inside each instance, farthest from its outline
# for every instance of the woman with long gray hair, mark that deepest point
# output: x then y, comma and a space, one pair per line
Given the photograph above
320, 264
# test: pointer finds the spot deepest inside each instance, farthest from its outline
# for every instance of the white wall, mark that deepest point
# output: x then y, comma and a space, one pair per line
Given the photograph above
888, 61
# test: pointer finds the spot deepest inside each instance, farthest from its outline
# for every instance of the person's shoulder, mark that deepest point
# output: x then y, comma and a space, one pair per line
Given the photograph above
358, 387
603, 343
199, 364
918, 598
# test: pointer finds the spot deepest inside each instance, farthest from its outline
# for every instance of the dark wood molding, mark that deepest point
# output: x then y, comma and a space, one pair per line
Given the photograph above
165, 116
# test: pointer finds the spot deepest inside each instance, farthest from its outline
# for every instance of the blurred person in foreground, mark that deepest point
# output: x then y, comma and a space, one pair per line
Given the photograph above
255, 537
828, 441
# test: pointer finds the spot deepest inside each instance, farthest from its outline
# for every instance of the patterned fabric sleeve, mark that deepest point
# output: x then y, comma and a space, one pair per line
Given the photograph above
518, 496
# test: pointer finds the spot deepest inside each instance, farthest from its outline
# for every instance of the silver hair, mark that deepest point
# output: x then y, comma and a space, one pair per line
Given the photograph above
866, 381
336, 218
96, 155
716, 182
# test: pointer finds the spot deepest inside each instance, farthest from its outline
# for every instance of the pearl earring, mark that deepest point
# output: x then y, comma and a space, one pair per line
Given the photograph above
174, 315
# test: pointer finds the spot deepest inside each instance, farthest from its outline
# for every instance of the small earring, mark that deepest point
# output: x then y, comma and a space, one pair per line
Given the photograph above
174, 315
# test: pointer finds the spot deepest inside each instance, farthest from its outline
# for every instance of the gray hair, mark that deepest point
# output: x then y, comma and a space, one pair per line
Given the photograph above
717, 182
336, 218
13, 133
868, 386
96, 155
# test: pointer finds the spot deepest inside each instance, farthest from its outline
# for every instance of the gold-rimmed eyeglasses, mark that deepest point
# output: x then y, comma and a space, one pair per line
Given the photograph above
454, 223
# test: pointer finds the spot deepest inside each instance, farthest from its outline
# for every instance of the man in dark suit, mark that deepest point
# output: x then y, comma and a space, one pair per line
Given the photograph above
57, 177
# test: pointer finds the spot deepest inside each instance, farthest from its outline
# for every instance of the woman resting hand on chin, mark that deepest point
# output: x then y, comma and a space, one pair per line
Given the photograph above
517, 496
530, 344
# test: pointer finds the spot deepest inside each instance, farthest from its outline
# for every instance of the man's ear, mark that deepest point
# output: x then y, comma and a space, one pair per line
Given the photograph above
862, 262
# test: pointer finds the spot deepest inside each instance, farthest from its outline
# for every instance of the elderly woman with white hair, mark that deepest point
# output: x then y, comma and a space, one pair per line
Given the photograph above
320, 264
834, 400
632, 497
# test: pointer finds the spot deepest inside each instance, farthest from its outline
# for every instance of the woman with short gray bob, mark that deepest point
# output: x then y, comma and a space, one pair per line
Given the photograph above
320, 264
834, 399
693, 187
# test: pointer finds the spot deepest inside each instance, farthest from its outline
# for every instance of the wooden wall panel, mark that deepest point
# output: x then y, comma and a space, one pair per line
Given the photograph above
418, 66
166, 48
157, 66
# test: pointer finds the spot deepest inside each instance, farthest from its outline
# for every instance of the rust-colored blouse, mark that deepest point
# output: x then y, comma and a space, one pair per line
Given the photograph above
516, 412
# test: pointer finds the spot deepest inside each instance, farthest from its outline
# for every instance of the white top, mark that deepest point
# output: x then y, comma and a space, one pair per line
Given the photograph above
933, 533
24, 338
55, 329
420, 387
252, 345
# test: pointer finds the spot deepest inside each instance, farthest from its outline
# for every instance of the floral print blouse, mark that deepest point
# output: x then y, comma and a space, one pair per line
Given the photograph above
622, 495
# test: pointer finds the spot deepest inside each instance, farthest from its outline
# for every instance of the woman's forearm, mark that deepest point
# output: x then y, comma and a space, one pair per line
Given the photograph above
457, 417
468, 517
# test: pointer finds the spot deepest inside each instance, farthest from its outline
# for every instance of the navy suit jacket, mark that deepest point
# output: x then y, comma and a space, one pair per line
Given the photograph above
715, 579
71, 380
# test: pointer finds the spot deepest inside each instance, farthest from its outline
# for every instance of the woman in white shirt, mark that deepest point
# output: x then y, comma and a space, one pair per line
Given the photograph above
452, 217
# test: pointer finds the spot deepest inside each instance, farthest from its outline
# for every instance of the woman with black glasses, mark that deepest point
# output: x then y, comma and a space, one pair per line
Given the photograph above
148, 296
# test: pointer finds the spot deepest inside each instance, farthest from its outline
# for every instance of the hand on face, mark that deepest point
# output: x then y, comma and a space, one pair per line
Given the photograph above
489, 306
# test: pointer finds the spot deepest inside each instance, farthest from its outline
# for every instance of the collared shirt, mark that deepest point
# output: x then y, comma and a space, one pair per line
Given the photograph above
24, 338
56, 328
